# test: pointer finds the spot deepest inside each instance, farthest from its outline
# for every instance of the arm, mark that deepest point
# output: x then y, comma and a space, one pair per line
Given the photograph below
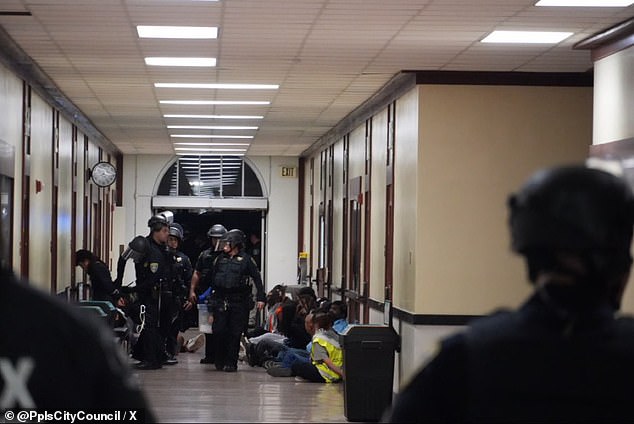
120, 270
193, 299
101, 276
252, 269
333, 367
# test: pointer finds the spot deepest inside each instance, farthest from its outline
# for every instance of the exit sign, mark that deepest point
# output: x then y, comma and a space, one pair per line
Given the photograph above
288, 171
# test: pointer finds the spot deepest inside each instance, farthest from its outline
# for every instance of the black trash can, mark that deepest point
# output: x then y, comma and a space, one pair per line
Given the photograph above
368, 365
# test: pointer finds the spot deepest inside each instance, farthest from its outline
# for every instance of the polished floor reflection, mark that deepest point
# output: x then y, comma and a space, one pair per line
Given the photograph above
191, 392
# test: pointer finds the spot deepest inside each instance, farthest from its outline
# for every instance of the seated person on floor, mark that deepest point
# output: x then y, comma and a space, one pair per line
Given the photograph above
326, 354
292, 333
339, 311
281, 365
275, 299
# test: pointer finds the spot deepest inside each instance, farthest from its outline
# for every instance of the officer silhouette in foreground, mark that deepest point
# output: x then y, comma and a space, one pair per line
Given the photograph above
564, 355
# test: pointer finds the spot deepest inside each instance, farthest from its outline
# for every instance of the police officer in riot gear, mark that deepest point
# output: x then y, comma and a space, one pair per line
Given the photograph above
201, 281
153, 274
563, 356
231, 299
181, 278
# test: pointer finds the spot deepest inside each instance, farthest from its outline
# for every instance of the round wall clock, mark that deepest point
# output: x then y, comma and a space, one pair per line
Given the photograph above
103, 174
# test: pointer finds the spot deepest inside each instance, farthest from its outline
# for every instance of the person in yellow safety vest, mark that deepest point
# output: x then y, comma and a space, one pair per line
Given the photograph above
326, 354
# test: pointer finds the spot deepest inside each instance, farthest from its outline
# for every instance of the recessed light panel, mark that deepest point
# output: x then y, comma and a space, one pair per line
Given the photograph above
218, 86
153, 31
212, 102
211, 144
181, 61
215, 116
207, 154
211, 127
208, 136
528, 37
585, 3
192, 149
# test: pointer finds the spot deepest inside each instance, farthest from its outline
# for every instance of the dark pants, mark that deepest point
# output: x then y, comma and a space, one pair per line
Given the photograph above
150, 347
307, 371
210, 347
265, 350
231, 317
169, 323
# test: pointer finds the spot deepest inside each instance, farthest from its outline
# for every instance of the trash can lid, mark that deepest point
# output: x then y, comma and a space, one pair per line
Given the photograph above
367, 329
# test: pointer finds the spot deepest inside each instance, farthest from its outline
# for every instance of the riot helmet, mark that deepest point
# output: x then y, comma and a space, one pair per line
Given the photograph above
158, 221
176, 231
574, 209
234, 238
217, 231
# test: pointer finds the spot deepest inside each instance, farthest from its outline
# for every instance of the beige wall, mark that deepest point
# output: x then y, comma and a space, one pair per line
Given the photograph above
65, 257
613, 97
11, 134
40, 213
377, 216
337, 206
478, 144
40, 206
406, 197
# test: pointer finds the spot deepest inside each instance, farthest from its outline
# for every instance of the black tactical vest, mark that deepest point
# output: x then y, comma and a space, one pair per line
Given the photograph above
526, 366
230, 273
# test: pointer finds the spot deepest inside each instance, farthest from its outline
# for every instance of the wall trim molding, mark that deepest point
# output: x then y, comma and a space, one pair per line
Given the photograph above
425, 319
614, 150
609, 41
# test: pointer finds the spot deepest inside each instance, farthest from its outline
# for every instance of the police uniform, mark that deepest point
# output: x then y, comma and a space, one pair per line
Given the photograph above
230, 303
204, 266
563, 356
181, 277
528, 366
153, 275
54, 357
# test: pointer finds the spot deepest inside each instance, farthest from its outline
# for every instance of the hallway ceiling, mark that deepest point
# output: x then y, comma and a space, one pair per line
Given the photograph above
328, 56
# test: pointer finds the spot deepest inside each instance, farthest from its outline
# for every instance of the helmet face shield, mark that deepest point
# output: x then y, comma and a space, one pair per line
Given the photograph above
176, 232
234, 238
217, 231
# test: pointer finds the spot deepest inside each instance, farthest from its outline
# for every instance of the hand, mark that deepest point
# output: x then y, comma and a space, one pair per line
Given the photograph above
193, 299
260, 305
187, 305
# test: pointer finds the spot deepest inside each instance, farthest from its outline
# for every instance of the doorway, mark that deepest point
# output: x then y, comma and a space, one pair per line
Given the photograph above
196, 225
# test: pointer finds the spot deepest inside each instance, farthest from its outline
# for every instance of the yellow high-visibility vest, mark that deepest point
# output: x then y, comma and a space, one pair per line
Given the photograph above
334, 353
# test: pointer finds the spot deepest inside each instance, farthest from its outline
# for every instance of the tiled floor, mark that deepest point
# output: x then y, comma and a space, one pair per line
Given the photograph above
191, 392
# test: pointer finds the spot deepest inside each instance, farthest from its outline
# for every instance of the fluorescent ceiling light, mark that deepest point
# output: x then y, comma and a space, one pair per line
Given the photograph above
208, 136
212, 102
207, 154
156, 31
217, 86
585, 3
181, 61
215, 116
211, 144
531, 37
182, 149
210, 127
